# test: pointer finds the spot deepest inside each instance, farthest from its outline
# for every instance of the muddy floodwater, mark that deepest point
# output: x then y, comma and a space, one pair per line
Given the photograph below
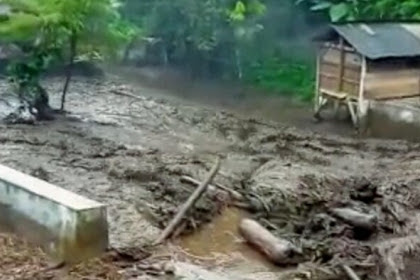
127, 143
221, 238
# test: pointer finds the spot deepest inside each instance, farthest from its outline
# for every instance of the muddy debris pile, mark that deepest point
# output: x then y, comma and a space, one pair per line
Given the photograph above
338, 222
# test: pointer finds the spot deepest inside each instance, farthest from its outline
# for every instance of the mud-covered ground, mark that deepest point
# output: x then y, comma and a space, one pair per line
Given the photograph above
131, 152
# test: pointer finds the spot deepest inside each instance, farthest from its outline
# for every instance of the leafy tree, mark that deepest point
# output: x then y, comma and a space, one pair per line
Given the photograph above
349, 10
44, 28
204, 35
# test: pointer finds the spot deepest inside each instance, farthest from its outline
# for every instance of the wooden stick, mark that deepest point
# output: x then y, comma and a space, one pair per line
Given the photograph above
120, 92
350, 272
188, 204
234, 194
341, 69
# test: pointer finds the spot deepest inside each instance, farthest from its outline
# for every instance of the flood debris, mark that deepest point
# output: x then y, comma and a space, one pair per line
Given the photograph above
350, 272
355, 218
278, 173
188, 204
234, 195
278, 251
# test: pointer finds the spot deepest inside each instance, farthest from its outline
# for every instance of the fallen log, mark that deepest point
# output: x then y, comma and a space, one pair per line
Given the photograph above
355, 218
350, 272
279, 251
232, 193
188, 204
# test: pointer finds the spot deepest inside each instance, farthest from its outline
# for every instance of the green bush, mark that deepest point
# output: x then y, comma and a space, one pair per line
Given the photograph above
284, 75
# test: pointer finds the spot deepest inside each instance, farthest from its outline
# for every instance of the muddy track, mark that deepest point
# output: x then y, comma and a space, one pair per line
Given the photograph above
130, 153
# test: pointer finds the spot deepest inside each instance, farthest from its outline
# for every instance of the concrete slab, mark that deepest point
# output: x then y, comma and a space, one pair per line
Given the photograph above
399, 119
77, 227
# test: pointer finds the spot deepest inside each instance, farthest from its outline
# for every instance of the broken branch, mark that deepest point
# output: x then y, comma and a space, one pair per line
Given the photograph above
188, 204
350, 272
233, 194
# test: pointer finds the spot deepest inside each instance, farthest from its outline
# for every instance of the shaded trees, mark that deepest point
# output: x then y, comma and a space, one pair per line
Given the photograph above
48, 31
349, 10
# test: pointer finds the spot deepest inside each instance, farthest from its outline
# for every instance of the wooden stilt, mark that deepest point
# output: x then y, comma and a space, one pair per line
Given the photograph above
353, 114
322, 102
336, 108
318, 96
362, 104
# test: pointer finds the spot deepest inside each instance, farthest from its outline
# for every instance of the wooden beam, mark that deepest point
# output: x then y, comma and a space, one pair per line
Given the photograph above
348, 66
352, 111
361, 110
318, 80
347, 80
341, 66
408, 95
337, 95
362, 80
337, 47
418, 86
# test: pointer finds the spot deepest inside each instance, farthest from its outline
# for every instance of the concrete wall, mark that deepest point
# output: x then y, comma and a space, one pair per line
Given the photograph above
395, 119
77, 226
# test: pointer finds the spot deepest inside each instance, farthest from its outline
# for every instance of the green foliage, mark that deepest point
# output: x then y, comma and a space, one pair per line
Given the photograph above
26, 72
230, 39
348, 10
285, 75
44, 28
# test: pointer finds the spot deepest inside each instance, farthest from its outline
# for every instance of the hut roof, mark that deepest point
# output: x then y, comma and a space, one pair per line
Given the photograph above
379, 40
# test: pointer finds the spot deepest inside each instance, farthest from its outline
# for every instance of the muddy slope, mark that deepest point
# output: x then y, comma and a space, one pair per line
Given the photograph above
130, 152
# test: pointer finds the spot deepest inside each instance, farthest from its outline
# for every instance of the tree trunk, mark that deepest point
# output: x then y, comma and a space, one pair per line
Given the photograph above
238, 63
278, 251
128, 49
69, 70
41, 104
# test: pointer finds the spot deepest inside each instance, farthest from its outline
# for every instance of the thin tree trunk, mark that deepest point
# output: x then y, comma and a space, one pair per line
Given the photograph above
69, 70
238, 63
188, 204
128, 49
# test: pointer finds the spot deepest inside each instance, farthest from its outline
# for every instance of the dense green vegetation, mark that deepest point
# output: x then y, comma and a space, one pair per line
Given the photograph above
349, 10
265, 43
261, 42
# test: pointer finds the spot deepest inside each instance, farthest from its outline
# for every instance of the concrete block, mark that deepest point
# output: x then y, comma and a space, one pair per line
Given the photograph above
74, 228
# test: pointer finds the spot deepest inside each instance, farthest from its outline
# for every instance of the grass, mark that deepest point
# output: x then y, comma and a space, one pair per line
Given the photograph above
291, 76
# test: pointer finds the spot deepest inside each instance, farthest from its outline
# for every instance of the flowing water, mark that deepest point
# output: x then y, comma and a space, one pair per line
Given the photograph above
222, 237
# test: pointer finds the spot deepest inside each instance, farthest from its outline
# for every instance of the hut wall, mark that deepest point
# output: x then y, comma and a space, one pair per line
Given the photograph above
329, 71
392, 79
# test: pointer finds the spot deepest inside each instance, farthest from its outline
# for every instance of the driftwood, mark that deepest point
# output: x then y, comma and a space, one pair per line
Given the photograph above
350, 272
278, 251
213, 187
355, 218
188, 204
123, 92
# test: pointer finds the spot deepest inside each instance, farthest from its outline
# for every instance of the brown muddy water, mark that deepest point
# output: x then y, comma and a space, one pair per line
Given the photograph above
221, 237
253, 103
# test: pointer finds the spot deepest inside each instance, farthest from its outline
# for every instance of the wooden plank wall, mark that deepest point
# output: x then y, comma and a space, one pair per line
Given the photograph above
391, 81
329, 75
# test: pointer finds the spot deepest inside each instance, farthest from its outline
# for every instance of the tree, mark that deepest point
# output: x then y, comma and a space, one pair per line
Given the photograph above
203, 35
42, 29
349, 10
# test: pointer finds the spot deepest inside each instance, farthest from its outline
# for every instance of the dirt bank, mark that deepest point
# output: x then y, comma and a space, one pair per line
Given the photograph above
130, 153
